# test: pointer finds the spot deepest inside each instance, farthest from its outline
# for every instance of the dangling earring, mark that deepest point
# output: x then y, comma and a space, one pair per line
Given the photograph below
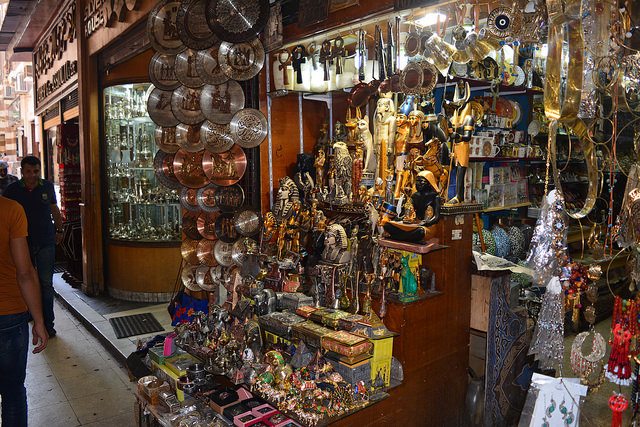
563, 409
569, 417
551, 408
545, 421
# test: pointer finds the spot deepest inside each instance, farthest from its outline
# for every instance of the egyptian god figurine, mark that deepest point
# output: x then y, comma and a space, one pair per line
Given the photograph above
287, 195
343, 167
426, 205
335, 245
384, 128
400, 144
462, 127
415, 133
365, 139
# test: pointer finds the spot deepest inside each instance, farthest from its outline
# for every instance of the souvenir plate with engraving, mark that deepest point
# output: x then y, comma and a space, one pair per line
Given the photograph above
207, 198
204, 278
225, 228
185, 104
207, 225
241, 61
188, 169
230, 199
220, 102
247, 222
504, 22
188, 277
163, 165
411, 78
162, 72
248, 128
192, 25
237, 20
186, 71
159, 108
188, 137
222, 253
189, 251
225, 168
166, 139
190, 225
189, 199
208, 66
241, 249
162, 29
429, 77
205, 253
216, 138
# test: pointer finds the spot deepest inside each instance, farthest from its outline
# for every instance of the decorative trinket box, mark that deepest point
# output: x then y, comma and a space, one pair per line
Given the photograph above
310, 332
264, 411
332, 319
279, 323
220, 399
293, 300
352, 374
305, 311
346, 344
245, 420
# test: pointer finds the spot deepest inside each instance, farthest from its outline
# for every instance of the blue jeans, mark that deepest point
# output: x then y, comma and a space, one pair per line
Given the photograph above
43, 258
14, 344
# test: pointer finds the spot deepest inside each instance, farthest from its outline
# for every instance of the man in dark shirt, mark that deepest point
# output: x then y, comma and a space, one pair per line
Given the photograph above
6, 179
38, 199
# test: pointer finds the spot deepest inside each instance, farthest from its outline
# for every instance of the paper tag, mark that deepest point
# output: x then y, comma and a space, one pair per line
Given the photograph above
456, 234
458, 220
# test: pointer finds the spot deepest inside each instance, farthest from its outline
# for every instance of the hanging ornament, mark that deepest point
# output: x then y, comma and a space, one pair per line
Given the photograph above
624, 337
503, 22
618, 404
548, 338
589, 368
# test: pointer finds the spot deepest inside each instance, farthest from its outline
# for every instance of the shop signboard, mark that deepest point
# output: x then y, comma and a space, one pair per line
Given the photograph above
56, 57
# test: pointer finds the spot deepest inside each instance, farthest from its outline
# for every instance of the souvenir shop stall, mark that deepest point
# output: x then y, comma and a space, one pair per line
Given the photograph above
357, 181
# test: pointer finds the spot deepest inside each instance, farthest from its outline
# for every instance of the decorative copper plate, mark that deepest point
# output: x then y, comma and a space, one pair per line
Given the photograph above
247, 222
166, 139
226, 168
189, 199
188, 169
205, 252
204, 279
162, 29
162, 72
186, 71
188, 277
225, 228
248, 128
207, 225
241, 61
220, 102
163, 165
429, 77
188, 249
192, 25
411, 78
159, 108
241, 249
216, 138
207, 198
185, 104
190, 225
237, 20
222, 253
208, 66
229, 199
188, 137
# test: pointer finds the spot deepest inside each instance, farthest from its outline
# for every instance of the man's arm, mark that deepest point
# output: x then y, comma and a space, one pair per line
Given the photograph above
30, 289
57, 219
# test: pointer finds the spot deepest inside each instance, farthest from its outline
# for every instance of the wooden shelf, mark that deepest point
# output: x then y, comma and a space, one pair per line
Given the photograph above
504, 208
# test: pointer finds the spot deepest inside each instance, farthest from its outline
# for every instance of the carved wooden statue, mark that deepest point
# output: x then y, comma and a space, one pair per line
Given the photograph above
384, 135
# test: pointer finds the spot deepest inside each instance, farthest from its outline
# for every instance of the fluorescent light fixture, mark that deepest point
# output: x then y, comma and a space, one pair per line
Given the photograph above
431, 19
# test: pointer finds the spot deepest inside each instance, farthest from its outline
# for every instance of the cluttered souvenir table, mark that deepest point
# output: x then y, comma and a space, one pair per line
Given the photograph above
390, 156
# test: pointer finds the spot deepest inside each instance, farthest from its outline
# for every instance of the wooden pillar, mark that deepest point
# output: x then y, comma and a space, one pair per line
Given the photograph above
89, 119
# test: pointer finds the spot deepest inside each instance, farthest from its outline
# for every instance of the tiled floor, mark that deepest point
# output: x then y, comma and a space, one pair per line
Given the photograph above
76, 382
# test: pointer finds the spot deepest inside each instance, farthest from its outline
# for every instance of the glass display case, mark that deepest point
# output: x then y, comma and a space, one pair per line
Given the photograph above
140, 208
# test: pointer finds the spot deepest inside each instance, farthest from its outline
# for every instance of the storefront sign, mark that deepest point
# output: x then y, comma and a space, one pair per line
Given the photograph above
99, 13
56, 56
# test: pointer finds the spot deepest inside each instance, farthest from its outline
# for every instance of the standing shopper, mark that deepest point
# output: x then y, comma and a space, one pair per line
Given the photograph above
19, 291
38, 198
6, 179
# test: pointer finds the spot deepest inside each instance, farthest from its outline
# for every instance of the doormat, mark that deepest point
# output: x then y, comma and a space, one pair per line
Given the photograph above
135, 324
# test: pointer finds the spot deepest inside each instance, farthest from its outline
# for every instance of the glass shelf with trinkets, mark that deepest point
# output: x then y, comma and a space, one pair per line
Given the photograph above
140, 208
